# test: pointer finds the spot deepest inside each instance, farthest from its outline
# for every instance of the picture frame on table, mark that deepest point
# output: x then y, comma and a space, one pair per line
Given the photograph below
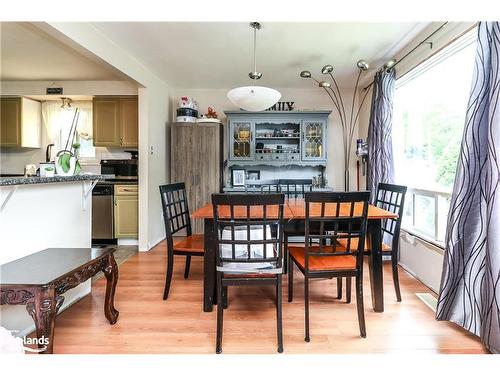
238, 177
253, 175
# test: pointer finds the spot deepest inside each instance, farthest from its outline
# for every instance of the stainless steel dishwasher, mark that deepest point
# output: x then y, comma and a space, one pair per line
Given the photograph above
102, 214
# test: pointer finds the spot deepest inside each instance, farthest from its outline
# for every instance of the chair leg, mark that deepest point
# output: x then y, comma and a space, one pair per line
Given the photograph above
395, 277
285, 253
290, 279
339, 288
226, 296
188, 265
359, 304
306, 305
168, 277
279, 314
348, 281
220, 314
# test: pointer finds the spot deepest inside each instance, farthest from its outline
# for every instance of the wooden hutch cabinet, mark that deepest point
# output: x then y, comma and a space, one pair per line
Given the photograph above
277, 138
196, 158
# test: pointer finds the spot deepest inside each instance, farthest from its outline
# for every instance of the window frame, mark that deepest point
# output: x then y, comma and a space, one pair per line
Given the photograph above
456, 45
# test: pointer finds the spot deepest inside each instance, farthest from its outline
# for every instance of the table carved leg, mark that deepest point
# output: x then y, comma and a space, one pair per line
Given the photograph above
111, 273
209, 266
375, 265
42, 308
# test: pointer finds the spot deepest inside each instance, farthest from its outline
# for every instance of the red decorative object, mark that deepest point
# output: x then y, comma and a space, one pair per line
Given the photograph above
211, 113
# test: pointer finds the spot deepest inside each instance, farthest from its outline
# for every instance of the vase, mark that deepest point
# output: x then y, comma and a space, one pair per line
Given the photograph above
71, 170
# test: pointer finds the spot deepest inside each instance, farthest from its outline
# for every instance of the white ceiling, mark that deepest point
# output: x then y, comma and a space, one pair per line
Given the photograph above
27, 53
220, 55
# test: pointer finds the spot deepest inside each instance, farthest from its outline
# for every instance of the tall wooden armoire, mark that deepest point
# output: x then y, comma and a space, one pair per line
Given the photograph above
196, 151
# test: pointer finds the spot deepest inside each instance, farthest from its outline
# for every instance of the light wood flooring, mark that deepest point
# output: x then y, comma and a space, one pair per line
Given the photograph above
147, 324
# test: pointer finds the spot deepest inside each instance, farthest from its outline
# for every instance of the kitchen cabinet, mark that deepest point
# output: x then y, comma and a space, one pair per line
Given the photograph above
115, 121
126, 212
20, 122
196, 160
277, 138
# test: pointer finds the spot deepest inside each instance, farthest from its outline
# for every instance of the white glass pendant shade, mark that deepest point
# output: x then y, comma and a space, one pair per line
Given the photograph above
254, 98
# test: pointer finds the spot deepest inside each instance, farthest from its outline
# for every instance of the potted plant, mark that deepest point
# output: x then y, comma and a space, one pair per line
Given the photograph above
67, 163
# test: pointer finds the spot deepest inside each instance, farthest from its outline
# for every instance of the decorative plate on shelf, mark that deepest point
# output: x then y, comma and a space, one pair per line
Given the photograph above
209, 120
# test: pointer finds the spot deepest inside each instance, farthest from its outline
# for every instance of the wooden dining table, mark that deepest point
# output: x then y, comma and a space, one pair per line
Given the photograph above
294, 212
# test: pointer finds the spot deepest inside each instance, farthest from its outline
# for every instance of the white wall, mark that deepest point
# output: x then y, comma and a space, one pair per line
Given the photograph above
153, 117
305, 99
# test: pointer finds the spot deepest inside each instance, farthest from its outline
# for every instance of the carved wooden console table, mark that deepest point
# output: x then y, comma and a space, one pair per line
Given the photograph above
39, 280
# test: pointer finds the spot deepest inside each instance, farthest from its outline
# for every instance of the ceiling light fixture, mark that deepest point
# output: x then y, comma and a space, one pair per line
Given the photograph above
254, 98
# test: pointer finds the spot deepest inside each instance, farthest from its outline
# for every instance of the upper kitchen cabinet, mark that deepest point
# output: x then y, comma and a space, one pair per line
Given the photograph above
20, 122
115, 121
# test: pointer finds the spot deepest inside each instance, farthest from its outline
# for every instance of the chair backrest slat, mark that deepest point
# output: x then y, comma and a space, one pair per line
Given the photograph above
259, 217
175, 208
341, 217
262, 186
295, 188
391, 198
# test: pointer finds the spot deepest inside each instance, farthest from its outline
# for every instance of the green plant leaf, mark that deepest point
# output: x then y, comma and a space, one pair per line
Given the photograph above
64, 162
77, 167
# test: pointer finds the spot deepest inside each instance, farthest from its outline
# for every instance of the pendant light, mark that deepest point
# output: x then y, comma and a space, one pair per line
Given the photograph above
254, 98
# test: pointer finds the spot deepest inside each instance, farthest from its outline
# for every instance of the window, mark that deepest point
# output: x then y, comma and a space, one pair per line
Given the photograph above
429, 115
58, 122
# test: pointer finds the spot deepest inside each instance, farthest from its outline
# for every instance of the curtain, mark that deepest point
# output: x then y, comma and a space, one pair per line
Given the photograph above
57, 121
470, 283
380, 159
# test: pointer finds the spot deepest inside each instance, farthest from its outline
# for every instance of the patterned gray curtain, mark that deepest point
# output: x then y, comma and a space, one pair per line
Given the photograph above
470, 283
380, 159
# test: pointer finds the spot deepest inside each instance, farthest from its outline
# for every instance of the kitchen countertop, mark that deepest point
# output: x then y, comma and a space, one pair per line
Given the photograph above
21, 180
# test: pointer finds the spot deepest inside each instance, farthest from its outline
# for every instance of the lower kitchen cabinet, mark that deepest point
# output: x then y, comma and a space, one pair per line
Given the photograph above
126, 211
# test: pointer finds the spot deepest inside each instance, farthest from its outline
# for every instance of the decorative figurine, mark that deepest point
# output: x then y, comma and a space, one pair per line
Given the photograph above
211, 113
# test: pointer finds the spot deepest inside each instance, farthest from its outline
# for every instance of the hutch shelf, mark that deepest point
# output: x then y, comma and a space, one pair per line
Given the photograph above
277, 138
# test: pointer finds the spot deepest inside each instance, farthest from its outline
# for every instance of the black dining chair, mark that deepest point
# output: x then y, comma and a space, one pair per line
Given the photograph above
392, 198
176, 218
321, 255
295, 188
262, 186
247, 252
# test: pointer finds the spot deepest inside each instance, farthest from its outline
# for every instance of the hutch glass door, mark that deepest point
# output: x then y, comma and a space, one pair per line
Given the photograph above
241, 135
313, 140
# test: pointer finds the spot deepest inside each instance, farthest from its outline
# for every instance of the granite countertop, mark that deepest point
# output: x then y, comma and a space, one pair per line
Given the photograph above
21, 180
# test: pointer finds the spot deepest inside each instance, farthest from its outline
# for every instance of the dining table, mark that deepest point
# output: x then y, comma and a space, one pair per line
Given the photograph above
294, 213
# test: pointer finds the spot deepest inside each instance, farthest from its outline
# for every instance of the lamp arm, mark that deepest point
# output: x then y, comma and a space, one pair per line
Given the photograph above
336, 105
356, 118
360, 106
339, 94
342, 119
354, 97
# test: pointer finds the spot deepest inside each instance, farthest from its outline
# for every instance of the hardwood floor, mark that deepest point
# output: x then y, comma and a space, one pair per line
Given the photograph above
147, 324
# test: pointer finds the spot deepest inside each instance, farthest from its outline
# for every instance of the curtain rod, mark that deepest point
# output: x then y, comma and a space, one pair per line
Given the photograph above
412, 50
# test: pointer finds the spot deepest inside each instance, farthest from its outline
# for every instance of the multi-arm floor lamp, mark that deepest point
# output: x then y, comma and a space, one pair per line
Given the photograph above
348, 123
